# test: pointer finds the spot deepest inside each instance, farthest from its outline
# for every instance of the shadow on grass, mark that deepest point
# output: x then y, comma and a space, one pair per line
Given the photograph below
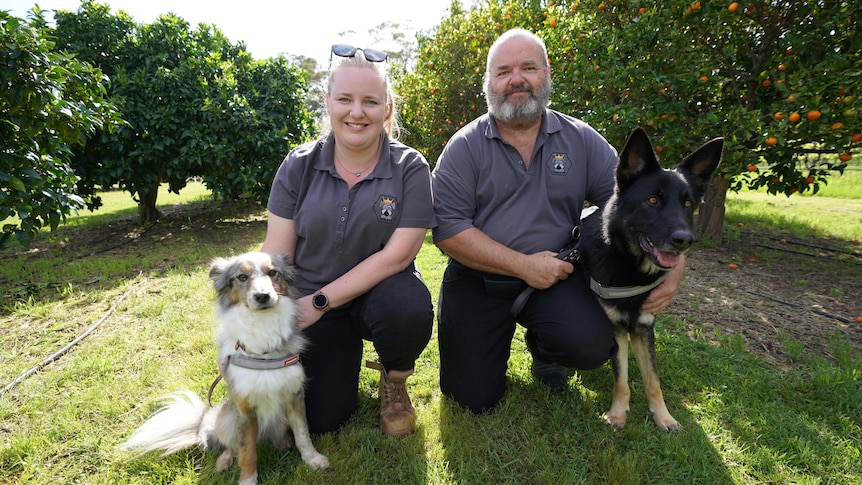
733, 408
118, 249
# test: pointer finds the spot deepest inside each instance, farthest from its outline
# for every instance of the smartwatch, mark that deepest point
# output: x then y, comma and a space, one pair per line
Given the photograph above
320, 301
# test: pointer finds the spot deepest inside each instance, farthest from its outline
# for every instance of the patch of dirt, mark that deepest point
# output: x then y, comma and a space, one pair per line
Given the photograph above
785, 299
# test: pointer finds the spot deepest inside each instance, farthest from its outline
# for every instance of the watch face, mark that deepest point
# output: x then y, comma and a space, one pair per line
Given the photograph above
320, 301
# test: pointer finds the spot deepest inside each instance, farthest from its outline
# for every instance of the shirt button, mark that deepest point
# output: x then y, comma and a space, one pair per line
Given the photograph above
342, 219
344, 209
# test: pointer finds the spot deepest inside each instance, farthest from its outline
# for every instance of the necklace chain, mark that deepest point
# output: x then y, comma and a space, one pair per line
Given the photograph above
355, 173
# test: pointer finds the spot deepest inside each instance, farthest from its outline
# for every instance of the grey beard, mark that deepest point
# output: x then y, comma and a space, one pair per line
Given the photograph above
509, 113
516, 114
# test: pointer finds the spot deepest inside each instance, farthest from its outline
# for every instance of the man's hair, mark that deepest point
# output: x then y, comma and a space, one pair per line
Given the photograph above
509, 34
393, 124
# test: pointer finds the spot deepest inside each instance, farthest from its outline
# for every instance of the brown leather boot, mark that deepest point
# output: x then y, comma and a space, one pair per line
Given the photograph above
396, 411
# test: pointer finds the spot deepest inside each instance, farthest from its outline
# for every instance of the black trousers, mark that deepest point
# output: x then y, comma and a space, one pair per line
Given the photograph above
476, 330
396, 316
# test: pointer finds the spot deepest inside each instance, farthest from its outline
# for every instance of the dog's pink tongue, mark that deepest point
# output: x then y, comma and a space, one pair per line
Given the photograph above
667, 260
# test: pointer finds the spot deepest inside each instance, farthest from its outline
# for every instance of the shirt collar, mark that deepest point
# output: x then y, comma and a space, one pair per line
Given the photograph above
550, 124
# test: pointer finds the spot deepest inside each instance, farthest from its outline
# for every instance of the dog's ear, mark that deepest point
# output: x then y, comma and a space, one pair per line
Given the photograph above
699, 167
636, 158
284, 266
219, 274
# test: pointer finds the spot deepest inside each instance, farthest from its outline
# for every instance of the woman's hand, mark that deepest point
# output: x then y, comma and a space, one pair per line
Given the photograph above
307, 314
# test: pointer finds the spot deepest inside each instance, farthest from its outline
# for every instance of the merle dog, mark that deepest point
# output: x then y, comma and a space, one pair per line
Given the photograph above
628, 248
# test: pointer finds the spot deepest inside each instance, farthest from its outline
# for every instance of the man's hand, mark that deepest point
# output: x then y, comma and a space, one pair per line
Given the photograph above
543, 270
661, 296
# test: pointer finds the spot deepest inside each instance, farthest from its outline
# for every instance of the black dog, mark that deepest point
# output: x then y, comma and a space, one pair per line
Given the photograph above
628, 248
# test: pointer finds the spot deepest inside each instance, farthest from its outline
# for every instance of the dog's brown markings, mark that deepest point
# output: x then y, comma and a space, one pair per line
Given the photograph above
247, 439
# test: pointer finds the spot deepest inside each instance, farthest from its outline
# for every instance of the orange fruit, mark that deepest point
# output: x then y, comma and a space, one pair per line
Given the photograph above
859, 319
845, 157
813, 115
641, 11
552, 22
751, 168
733, 7
752, 260
659, 148
782, 67
766, 83
732, 266
783, 242
778, 116
794, 117
704, 78
856, 138
809, 180
837, 126
771, 141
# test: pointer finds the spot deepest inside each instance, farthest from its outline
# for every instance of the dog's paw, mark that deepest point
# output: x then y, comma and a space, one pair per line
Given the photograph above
666, 422
286, 443
316, 461
225, 460
252, 480
617, 420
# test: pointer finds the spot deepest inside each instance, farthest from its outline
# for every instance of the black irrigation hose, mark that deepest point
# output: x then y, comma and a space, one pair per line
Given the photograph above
854, 254
796, 305
56, 355
799, 243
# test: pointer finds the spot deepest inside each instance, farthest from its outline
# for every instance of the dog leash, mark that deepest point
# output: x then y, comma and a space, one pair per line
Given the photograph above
570, 253
256, 363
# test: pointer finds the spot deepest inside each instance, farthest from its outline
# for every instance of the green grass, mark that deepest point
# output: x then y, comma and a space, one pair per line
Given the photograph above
744, 420
834, 212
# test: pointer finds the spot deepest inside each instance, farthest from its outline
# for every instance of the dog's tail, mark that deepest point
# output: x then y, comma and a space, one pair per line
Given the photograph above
183, 422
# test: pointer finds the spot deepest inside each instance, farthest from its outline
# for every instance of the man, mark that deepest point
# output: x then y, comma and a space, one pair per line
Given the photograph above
508, 188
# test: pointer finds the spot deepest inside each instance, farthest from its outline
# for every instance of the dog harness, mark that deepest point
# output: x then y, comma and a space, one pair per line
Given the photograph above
250, 362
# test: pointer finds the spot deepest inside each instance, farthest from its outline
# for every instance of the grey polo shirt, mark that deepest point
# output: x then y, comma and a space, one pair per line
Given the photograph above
337, 227
480, 181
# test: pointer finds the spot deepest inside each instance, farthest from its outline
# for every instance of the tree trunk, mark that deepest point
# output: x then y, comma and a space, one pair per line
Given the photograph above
710, 219
147, 211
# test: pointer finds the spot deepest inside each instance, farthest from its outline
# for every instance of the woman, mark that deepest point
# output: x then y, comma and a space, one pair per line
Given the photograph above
351, 211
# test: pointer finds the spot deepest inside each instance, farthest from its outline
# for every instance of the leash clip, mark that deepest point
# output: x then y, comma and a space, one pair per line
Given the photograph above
570, 253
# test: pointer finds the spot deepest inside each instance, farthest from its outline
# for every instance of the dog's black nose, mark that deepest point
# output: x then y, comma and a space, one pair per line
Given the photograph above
261, 297
682, 239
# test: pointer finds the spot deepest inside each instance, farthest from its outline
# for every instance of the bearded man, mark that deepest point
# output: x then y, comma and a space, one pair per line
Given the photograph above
508, 189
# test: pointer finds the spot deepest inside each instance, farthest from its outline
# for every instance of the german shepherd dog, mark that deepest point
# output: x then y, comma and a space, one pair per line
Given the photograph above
628, 248
258, 349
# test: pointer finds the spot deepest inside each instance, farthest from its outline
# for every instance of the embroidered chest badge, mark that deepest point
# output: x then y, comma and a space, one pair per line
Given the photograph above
386, 208
559, 164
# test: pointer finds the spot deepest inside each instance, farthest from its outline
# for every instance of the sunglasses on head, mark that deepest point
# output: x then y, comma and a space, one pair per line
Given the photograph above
344, 50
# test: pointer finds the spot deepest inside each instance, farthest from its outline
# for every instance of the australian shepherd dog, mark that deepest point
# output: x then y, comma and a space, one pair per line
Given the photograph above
258, 348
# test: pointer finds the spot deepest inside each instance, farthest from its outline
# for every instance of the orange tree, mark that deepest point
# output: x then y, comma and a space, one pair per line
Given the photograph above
50, 103
779, 80
195, 104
